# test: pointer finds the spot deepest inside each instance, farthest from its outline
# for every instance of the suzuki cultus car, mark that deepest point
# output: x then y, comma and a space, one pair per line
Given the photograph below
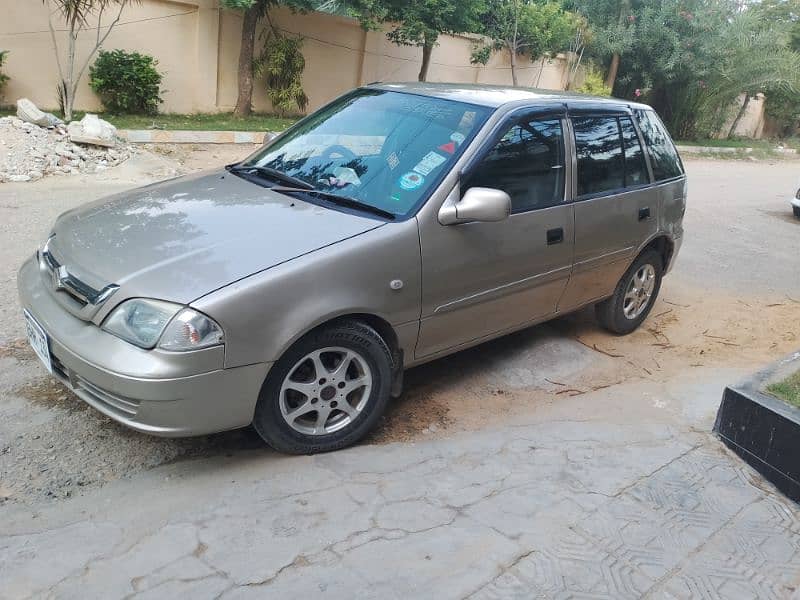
397, 224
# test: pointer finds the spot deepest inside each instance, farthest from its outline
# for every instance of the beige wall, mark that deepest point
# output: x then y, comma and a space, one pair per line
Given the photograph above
753, 121
197, 47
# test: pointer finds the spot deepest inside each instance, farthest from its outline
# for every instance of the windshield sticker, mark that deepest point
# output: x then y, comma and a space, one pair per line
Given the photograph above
429, 162
467, 121
392, 161
449, 147
457, 137
345, 175
411, 181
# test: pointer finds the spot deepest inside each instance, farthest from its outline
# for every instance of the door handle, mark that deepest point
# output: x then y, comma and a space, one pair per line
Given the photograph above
555, 236
644, 213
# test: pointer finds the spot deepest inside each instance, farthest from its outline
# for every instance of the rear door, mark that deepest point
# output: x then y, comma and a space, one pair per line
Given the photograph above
668, 174
616, 209
479, 279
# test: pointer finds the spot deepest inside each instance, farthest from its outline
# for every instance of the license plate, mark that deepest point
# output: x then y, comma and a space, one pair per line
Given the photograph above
37, 338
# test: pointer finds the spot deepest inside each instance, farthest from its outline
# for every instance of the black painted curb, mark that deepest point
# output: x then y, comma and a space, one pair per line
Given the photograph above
763, 430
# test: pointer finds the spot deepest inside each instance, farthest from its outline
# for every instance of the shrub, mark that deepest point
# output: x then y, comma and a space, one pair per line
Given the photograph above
282, 62
127, 82
3, 76
594, 84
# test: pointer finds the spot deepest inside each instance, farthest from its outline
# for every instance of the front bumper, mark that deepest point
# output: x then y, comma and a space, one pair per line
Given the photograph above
152, 391
795, 202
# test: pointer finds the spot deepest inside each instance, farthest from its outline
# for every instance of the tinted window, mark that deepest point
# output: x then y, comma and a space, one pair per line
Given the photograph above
527, 163
663, 156
598, 147
635, 166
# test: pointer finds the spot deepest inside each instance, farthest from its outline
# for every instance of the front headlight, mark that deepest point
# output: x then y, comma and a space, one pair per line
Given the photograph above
147, 323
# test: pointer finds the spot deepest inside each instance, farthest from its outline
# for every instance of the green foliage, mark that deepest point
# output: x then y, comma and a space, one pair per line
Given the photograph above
127, 82
526, 27
419, 23
3, 76
787, 390
282, 62
691, 59
594, 83
783, 106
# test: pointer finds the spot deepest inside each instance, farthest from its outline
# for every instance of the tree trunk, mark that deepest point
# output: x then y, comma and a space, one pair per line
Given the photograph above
69, 100
244, 101
514, 80
427, 50
739, 115
611, 77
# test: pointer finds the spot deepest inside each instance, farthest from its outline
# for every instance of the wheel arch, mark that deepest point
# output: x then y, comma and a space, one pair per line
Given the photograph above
384, 329
662, 244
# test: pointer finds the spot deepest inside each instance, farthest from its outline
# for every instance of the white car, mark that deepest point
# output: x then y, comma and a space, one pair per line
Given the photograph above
795, 202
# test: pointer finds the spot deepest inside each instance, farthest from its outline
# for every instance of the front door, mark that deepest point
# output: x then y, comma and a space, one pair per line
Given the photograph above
479, 279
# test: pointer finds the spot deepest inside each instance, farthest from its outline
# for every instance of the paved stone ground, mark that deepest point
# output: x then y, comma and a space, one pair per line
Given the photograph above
617, 493
551, 508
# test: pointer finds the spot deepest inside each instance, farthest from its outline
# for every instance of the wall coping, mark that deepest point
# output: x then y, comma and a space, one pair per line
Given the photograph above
185, 136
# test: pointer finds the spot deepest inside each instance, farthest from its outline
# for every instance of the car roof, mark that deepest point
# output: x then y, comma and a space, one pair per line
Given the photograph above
495, 96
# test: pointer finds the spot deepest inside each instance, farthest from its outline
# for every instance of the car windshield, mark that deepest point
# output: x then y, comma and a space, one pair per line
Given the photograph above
382, 148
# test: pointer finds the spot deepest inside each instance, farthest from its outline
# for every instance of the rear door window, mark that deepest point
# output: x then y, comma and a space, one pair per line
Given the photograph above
663, 156
598, 146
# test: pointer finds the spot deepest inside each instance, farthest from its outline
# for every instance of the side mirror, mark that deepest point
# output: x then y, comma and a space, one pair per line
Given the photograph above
477, 204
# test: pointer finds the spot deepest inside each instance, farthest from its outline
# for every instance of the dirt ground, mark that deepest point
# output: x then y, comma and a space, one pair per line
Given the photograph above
732, 302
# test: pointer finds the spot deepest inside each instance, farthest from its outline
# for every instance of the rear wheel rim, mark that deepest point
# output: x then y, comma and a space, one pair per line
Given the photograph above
639, 291
325, 391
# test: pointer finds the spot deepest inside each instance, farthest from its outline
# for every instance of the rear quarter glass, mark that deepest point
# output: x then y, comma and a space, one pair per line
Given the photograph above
663, 154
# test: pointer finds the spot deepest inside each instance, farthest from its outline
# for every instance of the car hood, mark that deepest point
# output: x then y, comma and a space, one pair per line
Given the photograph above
183, 238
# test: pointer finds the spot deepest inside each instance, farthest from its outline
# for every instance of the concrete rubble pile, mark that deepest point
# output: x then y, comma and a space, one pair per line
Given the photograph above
34, 144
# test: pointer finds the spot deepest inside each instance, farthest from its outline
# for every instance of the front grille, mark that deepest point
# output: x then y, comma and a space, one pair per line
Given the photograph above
63, 281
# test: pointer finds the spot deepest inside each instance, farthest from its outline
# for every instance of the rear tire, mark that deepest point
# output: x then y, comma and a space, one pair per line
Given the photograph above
327, 391
634, 295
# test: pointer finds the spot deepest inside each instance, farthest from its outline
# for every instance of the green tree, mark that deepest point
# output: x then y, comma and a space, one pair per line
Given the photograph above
691, 59
782, 105
79, 16
420, 23
526, 27
253, 12
612, 23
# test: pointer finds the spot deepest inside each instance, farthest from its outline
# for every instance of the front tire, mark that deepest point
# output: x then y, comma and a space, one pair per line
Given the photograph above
327, 391
796, 210
634, 295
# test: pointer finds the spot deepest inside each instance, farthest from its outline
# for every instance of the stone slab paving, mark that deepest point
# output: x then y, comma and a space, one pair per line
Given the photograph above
559, 509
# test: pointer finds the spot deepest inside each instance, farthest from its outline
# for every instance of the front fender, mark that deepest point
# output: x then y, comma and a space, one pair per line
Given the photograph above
262, 315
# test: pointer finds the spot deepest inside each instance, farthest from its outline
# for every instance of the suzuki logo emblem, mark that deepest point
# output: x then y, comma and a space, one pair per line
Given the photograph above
60, 275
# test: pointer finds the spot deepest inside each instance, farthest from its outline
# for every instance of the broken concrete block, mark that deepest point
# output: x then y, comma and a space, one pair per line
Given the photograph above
28, 112
91, 129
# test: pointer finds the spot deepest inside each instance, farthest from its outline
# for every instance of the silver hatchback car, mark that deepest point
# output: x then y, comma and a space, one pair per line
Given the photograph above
398, 224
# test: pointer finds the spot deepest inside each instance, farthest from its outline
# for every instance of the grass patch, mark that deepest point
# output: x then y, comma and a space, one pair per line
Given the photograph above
767, 144
198, 122
787, 390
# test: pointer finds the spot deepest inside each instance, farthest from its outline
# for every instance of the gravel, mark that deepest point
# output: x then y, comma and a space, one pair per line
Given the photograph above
29, 152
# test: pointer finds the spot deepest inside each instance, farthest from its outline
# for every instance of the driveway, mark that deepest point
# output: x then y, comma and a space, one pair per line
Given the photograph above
557, 462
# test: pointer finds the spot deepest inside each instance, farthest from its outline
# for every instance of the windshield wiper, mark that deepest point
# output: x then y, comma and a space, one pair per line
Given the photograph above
346, 201
271, 173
